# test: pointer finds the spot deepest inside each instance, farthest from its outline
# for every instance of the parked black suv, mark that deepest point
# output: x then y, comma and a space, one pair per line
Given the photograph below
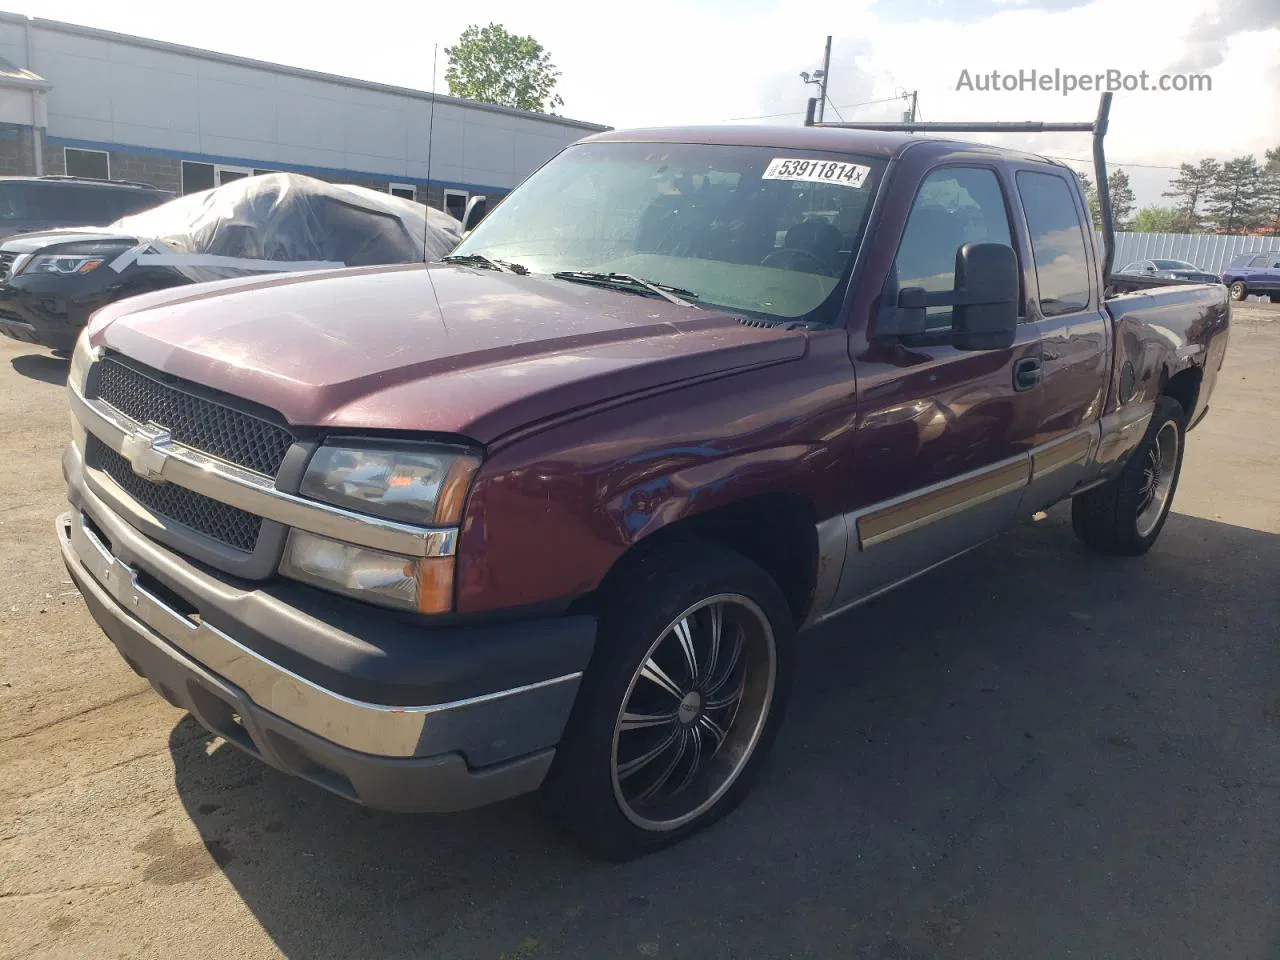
44, 203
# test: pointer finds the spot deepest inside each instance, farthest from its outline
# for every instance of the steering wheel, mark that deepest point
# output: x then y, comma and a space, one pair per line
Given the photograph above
793, 258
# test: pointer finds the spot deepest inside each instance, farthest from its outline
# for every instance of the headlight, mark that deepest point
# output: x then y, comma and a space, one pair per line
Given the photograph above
423, 584
81, 360
61, 264
424, 486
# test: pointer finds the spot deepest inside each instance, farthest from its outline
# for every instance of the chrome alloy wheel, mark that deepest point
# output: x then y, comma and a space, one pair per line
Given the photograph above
1157, 477
693, 712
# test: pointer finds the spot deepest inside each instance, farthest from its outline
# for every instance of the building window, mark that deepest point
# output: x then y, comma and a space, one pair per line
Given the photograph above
204, 176
196, 176
405, 191
455, 203
90, 164
225, 174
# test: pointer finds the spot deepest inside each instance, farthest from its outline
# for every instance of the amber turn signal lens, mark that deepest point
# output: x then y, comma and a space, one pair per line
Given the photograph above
454, 490
435, 584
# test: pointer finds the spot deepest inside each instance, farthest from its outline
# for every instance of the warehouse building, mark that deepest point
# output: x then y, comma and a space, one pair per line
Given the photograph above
91, 103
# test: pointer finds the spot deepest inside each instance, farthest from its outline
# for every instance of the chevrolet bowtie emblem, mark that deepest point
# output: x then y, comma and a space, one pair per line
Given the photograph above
145, 451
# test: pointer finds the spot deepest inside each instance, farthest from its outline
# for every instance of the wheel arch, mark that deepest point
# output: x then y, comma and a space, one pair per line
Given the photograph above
777, 531
1184, 386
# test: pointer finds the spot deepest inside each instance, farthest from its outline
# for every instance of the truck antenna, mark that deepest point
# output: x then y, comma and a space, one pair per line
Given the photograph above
431, 137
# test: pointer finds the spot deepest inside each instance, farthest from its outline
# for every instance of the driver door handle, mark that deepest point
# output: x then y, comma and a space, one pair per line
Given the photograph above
1026, 374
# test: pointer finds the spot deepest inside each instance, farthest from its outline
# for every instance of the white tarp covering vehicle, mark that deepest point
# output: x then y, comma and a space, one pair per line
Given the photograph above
285, 221
278, 222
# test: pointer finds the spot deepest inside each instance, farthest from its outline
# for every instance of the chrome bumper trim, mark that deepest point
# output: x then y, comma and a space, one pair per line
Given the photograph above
371, 728
169, 461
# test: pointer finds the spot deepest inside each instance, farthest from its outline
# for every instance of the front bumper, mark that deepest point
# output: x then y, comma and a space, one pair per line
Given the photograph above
50, 321
160, 611
29, 333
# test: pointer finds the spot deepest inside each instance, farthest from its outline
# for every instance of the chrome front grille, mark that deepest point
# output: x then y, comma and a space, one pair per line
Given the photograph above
6, 264
219, 521
215, 428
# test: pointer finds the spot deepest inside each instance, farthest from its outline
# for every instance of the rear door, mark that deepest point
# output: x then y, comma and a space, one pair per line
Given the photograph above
1066, 305
1270, 278
944, 435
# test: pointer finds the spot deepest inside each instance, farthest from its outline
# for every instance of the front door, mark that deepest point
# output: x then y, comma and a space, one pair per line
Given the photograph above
942, 451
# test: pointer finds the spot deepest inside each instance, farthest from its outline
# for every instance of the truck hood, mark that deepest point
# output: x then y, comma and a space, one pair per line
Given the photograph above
440, 348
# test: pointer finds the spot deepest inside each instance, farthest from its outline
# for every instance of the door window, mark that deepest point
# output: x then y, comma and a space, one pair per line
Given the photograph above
1258, 262
13, 199
1057, 242
955, 206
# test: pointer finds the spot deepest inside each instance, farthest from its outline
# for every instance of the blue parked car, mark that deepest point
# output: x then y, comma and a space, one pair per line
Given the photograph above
1254, 273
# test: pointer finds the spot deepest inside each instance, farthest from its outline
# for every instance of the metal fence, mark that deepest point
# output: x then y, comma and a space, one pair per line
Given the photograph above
1209, 251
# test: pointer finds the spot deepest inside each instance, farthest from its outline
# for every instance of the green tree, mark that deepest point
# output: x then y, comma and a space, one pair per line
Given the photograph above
494, 66
1091, 198
1271, 178
1157, 219
1190, 187
1237, 199
1121, 198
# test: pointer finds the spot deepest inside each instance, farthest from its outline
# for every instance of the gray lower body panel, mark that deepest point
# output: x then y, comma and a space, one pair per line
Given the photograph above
439, 782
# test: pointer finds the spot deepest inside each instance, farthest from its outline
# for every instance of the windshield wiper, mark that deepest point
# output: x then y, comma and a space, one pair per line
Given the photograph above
625, 281
489, 263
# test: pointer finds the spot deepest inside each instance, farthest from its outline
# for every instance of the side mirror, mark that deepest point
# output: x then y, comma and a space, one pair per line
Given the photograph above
983, 301
985, 316
477, 207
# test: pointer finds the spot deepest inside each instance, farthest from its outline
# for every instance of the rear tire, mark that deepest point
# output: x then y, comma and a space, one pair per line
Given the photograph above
680, 703
1274, 297
1125, 516
1238, 290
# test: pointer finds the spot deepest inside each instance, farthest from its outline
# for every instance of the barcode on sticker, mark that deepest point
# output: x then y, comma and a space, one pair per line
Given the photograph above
818, 171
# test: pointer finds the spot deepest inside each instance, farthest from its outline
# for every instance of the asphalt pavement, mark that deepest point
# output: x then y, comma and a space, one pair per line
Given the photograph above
1034, 752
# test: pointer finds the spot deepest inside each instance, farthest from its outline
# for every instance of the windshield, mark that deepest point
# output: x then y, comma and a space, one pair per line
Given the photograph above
1173, 265
763, 231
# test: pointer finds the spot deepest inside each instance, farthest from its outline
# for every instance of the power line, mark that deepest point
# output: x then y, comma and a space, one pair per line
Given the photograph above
1114, 162
836, 109
800, 113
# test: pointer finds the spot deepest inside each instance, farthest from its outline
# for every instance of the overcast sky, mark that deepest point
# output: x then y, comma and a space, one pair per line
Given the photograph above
628, 63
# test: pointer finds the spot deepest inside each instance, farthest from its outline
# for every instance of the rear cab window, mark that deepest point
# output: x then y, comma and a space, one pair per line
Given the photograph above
1057, 242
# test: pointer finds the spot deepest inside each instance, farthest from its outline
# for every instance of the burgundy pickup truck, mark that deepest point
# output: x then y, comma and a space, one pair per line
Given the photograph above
553, 514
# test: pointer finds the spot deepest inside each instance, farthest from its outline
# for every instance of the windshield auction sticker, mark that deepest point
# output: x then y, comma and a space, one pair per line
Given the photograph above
818, 171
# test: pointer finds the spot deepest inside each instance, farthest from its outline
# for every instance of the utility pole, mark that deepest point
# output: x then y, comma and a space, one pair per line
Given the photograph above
822, 87
909, 115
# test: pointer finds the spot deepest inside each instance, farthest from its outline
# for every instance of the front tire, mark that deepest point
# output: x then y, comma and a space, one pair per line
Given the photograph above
1238, 290
680, 704
1125, 516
